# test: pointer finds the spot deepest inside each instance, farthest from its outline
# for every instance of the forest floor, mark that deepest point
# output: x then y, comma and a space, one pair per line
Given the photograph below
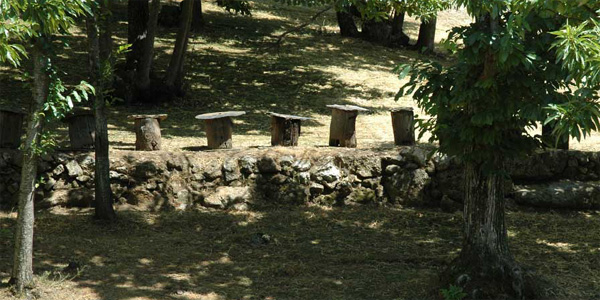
233, 65
310, 253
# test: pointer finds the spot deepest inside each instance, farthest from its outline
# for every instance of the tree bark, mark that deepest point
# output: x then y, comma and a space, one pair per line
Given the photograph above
99, 51
147, 134
485, 267
142, 79
347, 25
137, 26
398, 36
284, 132
426, 40
219, 132
174, 76
198, 17
22, 273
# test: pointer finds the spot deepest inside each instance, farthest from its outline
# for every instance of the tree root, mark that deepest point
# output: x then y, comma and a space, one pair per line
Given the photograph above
491, 279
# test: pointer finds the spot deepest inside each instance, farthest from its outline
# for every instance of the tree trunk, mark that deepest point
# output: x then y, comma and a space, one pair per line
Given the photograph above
137, 26
347, 25
426, 40
22, 273
398, 36
147, 49
99, 51
174, 77
198, 18
485, 267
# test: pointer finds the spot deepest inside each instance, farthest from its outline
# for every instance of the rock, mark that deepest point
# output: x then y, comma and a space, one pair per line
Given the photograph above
392, 169
286, 161
248, 164
411, 166
278, 179
231, 171
225, 196
183, 197
114, 174
58, 170
87, 162
393, 160
561, 194
448, 205
302, 165
328, 172
83, 178
268, 165
74, 169
79, 197
361, 196
50, 182
240, 207
316, 189
540, 166
416, 155
406, 187
212, 171
146, 170
304, 177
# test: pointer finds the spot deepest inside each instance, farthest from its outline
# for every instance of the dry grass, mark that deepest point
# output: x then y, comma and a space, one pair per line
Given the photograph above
314, 253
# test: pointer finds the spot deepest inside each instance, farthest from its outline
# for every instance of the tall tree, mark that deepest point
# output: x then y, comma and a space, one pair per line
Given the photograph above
174, 76
144, 65
426, 39
35, 24
100, 50
137, 29
507, 68
198, 17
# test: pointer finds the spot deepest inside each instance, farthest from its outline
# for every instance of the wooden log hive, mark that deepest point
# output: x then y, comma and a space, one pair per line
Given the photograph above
82, 128
403, 120
219, 128
147, 131
11, 128
342, 131
285, 129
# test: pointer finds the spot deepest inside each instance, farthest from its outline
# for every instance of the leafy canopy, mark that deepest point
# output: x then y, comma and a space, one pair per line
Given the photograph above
521, 62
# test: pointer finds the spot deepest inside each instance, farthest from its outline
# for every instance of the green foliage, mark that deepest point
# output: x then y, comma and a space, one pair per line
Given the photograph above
520, 64
453, 293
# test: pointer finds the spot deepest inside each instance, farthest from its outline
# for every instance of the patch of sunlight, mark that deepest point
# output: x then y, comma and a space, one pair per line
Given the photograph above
563, 247
430, 241
511, 233
179, 276
145, 261
244, 281
187, 295
98, 261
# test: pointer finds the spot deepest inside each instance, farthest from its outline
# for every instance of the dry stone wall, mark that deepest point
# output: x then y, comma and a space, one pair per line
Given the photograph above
241, 179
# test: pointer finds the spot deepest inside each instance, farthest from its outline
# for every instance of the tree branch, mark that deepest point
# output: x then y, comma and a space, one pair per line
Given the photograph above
297, 28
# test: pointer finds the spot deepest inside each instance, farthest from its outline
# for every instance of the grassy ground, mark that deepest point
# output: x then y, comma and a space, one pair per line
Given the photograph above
313, 253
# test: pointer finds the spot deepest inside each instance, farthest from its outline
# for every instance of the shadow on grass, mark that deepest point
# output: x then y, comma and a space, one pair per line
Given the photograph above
310, 253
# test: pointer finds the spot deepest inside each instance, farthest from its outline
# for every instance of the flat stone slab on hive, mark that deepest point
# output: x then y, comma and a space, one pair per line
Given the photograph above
219, 115
347, 107
12, 110
79, 111
288, 117
401, 109
161, 117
